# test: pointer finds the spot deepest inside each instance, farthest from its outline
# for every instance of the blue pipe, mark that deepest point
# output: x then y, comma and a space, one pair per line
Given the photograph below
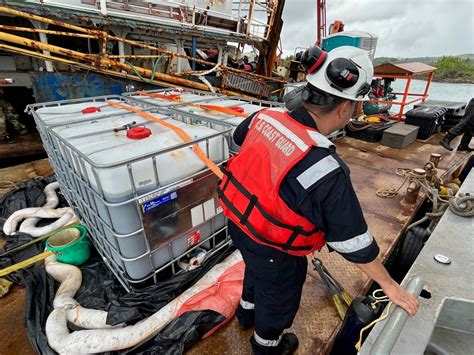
193, 53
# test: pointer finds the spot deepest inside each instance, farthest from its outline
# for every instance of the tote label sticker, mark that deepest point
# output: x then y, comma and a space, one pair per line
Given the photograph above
159, 201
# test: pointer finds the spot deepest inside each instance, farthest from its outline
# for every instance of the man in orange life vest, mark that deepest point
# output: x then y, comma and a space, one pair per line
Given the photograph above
287, 194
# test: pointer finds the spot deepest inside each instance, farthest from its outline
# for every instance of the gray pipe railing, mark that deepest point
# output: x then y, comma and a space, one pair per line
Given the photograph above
395, 322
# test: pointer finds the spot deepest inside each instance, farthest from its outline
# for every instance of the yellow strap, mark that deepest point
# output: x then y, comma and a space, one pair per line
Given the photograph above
43, 237
346, 297
184, 136
177, 98
25, 263
4, 286
341, 310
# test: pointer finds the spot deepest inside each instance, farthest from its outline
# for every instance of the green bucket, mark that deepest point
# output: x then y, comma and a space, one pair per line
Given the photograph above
70, 245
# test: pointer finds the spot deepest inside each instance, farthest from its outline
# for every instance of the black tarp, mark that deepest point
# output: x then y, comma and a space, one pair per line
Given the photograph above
100, 289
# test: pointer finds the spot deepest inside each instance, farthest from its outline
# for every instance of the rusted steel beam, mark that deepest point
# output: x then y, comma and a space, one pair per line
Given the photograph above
10, 11
98, 19
103, 61
267, 57
30, 43
97, 61
168, 81
132, 56
104, 36
249, 23
271, 20
191, 72
49, 32
184, 56
78, 64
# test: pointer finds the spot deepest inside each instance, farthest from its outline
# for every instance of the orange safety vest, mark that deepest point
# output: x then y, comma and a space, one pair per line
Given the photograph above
249, 190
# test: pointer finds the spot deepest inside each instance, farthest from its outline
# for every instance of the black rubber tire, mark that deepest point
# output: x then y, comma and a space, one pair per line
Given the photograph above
409, 251
411, 246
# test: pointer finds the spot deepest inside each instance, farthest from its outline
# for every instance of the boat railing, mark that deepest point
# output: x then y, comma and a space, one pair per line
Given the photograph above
395, 322
248, 18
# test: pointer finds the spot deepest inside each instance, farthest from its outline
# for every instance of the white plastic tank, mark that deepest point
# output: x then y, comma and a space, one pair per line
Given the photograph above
167, 97
188, 101
103, 147
123, 156
238, 105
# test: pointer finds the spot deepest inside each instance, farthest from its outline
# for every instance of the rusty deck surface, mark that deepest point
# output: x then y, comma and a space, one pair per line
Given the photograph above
23, 146
13, 334
372, 168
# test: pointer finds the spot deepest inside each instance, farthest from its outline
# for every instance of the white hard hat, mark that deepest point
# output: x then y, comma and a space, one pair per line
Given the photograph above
345, 72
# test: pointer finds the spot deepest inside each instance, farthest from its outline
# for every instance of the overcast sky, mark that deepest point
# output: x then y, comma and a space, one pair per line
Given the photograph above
406, 28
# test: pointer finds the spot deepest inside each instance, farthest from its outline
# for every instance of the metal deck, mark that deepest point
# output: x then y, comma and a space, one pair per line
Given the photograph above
372, 167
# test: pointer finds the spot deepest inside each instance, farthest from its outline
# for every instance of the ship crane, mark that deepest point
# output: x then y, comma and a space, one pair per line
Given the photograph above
335, 27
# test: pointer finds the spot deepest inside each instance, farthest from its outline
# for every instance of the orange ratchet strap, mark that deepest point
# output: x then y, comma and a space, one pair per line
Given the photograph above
177, 98
182, 134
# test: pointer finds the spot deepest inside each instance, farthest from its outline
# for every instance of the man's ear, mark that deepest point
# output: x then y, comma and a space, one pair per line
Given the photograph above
344, 109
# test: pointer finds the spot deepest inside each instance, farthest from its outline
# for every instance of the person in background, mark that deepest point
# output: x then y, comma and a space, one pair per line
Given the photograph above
466, 126
8, 114
287, 194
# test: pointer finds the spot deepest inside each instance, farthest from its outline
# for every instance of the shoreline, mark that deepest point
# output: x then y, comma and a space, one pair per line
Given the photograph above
454, 81
449, 81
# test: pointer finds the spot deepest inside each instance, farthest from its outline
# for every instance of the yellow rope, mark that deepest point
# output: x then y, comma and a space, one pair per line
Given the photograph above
6, 185
378, 299
4, 286
381, 318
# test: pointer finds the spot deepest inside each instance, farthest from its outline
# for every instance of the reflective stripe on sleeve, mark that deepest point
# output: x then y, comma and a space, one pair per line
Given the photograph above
317, 171
354, 244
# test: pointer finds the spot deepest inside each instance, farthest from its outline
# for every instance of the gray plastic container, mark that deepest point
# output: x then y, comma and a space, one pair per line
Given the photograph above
108, 178
188, 106
174, 97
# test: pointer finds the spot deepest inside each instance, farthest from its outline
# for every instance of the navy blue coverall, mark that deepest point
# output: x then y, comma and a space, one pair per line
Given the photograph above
273, 279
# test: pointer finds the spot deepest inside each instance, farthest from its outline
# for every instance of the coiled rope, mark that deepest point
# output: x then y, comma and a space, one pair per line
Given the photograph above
462, 205
409, 175
364, 123
428, 181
